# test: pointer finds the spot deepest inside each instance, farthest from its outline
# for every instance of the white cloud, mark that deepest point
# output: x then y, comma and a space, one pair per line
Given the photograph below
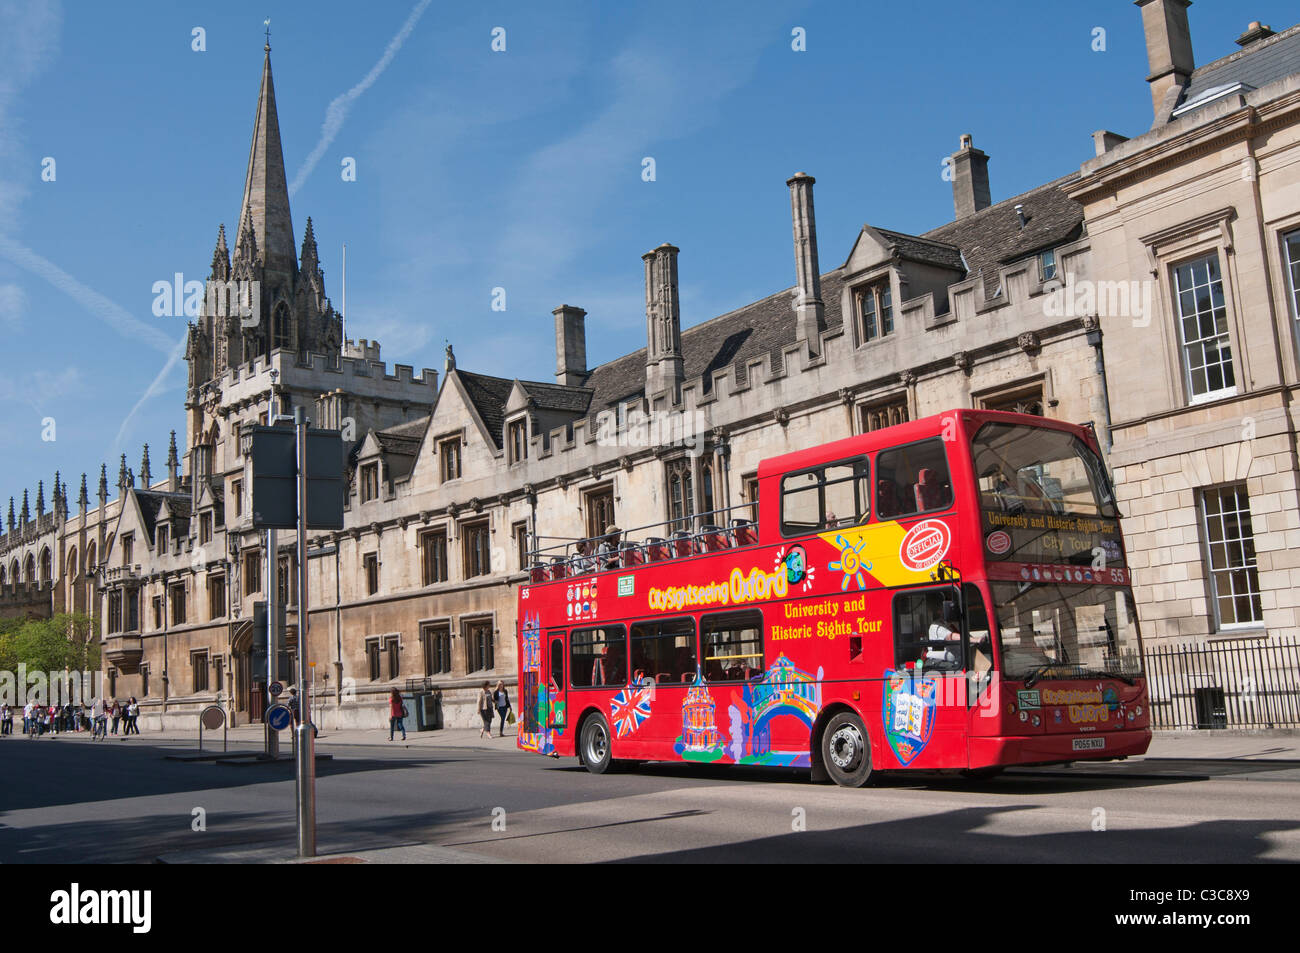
13, 304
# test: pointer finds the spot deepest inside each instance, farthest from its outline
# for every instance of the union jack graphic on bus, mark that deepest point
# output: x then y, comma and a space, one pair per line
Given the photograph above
629, 709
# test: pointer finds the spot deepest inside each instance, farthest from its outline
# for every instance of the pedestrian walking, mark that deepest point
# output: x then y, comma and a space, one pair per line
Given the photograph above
98, 721
485, 709
396, 714
6, 720
502, 699
132, 718
115, 712
27, 719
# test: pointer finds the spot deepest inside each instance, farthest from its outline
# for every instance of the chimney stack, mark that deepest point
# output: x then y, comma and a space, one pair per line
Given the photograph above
810, 313
1255, 32
970, 179
570, 345
664, 369
1169, 52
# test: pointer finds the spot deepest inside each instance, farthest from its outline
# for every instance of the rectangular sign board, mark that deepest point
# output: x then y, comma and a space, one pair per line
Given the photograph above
274, 460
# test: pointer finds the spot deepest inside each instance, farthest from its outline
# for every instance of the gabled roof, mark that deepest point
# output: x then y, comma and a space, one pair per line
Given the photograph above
400, 445
924, 250
994, 236
151, 502
1254, 66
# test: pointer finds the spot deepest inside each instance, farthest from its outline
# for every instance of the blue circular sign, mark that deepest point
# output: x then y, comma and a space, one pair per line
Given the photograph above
279, 717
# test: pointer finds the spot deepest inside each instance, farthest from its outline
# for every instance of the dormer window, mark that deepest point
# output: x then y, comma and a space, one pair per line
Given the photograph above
162, 538
517, 439
875, 311
370, 482
128, 548
205, 527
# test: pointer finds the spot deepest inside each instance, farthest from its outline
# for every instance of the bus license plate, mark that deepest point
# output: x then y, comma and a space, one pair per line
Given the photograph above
1089, 744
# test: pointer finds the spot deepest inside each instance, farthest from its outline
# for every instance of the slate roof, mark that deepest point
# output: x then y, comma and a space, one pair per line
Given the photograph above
994, 236
559, 397
746, 334
151, 502
927, 251
1256, 65
400, 445
489, 396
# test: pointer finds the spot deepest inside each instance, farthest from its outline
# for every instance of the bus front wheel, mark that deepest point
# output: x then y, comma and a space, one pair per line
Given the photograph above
595, 744
846, 753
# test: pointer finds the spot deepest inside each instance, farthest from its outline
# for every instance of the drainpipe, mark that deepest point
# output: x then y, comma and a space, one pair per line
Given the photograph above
338, 631
1093, 327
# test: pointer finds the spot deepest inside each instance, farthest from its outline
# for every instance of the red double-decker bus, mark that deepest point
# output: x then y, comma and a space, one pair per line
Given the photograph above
949, 594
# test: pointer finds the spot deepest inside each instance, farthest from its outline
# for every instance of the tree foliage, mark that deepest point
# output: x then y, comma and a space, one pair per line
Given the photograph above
66, 641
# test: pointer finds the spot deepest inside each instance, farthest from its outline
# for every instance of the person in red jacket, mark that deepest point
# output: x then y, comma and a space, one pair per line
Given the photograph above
396, 714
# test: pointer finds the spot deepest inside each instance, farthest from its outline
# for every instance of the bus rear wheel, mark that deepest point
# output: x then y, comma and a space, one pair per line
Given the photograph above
846, 753
595, 745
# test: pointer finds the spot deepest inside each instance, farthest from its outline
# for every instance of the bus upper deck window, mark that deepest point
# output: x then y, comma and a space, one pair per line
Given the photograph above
825, 497
912, 479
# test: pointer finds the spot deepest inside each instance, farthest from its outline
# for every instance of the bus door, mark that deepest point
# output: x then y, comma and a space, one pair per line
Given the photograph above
554, 693
982, 685
925, 704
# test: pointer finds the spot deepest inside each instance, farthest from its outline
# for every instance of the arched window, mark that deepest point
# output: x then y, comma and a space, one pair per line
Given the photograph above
47, 565
14, 577
29, 569
4, 575
90, 558
280, 327
74, 569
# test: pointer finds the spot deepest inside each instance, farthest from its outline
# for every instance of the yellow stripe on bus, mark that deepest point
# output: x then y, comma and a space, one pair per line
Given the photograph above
876, 545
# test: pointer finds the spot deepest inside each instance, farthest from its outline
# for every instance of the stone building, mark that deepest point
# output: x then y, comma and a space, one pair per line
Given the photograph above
1199, 219
453, 479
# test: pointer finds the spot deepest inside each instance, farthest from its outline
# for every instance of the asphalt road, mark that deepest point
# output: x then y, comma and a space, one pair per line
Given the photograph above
69, 800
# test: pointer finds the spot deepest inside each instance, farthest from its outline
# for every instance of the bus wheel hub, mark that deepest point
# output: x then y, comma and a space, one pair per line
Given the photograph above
846, 745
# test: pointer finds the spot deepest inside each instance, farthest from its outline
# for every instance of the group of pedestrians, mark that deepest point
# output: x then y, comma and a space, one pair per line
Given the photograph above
489, 699
40, 719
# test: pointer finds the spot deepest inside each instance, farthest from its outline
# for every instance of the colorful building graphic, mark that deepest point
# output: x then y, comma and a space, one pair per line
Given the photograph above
539, 709
784, 690
909, 706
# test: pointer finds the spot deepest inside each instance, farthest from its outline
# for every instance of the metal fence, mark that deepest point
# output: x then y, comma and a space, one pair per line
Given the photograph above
1237, 683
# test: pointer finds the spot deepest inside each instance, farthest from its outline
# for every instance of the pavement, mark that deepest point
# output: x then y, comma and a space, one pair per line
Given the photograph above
1213, 753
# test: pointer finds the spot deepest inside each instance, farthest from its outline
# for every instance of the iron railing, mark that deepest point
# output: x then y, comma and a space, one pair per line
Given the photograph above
1236, 683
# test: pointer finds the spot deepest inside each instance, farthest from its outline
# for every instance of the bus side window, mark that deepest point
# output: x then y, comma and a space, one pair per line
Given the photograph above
912, 479
663, 651
920, 633
731, 644
597, 656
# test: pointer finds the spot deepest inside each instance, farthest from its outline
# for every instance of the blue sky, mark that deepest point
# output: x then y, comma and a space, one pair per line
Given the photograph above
479, 169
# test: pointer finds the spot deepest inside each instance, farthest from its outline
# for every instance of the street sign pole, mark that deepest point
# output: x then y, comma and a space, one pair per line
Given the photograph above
272, 617
306, 743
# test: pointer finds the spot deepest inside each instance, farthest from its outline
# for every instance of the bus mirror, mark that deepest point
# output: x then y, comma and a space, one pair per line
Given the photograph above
951, 612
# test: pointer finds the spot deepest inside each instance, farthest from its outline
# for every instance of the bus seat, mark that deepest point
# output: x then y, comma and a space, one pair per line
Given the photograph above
537, 573
681, 541
559, 567
929, 492
742, 531
887, 505
713, 539
656, 549
630, 555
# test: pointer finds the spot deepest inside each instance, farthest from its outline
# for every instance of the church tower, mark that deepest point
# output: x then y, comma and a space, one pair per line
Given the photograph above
262, 297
